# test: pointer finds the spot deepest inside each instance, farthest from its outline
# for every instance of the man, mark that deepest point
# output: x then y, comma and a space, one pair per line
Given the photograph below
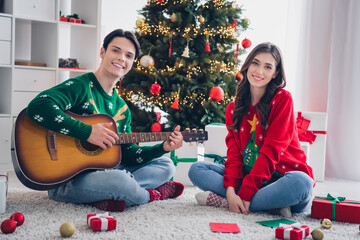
143, 175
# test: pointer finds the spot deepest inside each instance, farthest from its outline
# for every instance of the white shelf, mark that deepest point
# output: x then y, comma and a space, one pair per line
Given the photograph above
33, 33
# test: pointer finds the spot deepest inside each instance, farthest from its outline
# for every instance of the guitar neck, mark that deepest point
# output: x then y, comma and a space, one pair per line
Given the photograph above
142, 137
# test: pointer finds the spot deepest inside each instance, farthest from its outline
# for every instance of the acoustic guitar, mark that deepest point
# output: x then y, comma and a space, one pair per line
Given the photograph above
44, 159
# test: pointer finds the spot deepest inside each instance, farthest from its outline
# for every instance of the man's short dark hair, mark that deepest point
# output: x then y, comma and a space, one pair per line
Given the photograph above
121, 33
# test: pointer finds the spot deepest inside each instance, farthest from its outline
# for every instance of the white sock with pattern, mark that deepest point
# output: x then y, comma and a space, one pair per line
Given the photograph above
211, 199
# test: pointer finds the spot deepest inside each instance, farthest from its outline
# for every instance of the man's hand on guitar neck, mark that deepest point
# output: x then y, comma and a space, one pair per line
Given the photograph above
102, 136
175, 140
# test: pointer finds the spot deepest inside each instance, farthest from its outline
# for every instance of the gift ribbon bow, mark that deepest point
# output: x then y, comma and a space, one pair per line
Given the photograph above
303, 125
335, 200
289, 227
103, 218
217, 159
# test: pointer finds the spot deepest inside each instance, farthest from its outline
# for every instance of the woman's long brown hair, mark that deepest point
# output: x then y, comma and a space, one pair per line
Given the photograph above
243, 96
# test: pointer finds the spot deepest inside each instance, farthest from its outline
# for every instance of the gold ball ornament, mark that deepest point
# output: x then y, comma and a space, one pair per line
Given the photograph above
201, 19
67, 229
173, 18
147, 61
326, 223
140, 23
317, 234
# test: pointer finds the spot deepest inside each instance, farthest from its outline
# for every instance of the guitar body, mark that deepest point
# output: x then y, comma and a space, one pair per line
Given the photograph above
44, 160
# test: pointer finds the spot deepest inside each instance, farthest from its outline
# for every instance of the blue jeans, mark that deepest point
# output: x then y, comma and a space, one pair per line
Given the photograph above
121, 183
294, 189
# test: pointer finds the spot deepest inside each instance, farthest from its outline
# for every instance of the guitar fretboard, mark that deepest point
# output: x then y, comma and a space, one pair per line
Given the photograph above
142, 137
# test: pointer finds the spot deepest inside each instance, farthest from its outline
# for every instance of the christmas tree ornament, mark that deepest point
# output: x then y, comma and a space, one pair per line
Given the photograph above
173, 18
217, 94
326, 223
239, 76
170, 40
317, 234
246, 43
175, 104
186, 51
237, 50
67, 229
201, 19
8, 226
233, 26
147, 61
160, 1
207, 45
155, 88
140, 22
156, 127
18, 218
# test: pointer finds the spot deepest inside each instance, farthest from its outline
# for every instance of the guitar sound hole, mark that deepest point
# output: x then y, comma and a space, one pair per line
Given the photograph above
88, 148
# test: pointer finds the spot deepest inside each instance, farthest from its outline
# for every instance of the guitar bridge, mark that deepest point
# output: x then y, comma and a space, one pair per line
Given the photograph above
51, 144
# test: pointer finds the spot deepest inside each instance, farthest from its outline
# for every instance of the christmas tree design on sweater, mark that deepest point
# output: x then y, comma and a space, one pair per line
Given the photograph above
251, 151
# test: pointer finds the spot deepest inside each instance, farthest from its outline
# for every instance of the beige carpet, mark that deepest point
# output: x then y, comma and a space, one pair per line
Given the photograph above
178, 218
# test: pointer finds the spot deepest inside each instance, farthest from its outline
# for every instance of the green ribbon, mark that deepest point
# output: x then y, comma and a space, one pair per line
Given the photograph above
217, 159
335, 200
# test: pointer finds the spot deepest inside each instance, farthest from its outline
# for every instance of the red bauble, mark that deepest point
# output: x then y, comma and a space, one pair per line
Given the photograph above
8, 226
216, 94
239, 76
155, 89
246, 43
207, 47
18, 218
156, 127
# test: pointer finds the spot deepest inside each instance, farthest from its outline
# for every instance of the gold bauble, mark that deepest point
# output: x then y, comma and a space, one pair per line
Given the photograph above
201, 19
173, 18
140, 23
326, 223
67, 229
317, 234
147, 61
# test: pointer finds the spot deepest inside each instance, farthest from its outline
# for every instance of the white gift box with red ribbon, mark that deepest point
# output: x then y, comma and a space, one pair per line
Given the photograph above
294, 231
312, 127
3, 190
101, 222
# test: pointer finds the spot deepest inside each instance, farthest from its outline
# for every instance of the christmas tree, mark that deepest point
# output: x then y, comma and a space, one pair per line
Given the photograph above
188, 64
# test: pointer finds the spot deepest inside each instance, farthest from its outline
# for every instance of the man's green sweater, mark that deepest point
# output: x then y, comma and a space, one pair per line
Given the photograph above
84, 95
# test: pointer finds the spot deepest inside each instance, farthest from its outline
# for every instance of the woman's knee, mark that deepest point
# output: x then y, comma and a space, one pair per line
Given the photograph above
301, 180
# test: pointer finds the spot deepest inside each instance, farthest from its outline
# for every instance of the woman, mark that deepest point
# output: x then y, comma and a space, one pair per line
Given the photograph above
265, 168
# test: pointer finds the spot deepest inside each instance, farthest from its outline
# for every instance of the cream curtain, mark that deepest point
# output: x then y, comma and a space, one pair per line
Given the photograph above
323, 65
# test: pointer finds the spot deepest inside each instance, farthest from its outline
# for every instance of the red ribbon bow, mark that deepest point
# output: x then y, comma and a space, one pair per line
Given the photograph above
303, 125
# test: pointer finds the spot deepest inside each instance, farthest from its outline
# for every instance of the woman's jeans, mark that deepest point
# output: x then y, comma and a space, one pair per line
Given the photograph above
294, 189
121, 183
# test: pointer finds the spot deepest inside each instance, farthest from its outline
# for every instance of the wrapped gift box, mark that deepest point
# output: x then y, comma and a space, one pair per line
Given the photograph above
337, 209
294, 231
101, 222
3, 190
214, 147
313, 140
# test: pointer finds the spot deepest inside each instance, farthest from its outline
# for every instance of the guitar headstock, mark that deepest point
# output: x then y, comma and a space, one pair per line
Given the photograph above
194, 135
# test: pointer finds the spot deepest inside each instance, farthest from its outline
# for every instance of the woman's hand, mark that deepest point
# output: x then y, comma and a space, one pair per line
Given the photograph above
175, 140
102, 136
236, 204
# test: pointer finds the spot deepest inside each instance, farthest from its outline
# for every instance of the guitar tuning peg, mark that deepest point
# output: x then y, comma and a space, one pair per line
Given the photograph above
194, 129
187, 129
201, 130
